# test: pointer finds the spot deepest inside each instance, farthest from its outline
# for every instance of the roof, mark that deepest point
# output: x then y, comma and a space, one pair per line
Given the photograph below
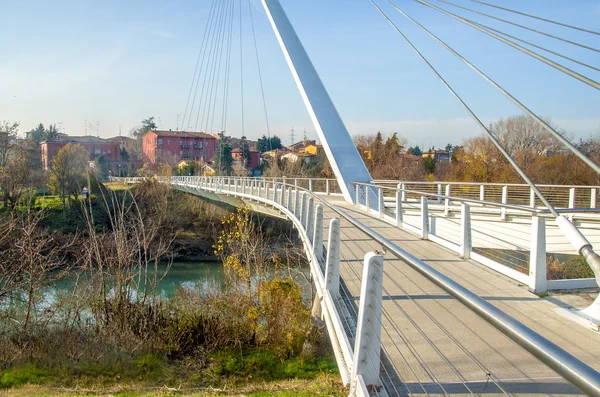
78, 139
120, 138
236, 150
182, 134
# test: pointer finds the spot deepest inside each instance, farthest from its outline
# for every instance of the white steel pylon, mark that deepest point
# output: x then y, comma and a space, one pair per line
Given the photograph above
343, 156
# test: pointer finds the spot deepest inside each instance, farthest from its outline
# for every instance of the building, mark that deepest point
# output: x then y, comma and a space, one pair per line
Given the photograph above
304, 157
174, 146
238, 159
437, 155
300, 146
315, 150
96, 147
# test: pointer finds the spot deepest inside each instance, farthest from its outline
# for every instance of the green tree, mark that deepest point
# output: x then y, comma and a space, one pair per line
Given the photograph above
265, 144
222, 160
416, 151
41, 133
102, 166
68, 166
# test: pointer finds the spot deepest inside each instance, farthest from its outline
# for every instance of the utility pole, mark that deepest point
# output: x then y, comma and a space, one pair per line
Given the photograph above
292, 136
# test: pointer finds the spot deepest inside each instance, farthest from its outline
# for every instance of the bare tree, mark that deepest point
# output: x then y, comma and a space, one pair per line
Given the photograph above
68, 166
21, 172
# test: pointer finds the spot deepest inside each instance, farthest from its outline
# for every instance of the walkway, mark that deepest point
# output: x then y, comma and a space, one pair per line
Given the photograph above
438, 346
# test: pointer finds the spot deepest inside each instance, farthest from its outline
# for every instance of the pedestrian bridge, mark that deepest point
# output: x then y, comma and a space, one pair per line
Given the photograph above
427, 289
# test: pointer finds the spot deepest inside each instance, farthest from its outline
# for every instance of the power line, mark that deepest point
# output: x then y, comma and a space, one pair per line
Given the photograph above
524, 108
536, 17
533, 54
473, 115
520, 26
242, 71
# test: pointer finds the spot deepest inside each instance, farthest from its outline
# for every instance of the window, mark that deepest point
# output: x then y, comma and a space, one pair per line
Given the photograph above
168, 142
160, 141
181, 152
181, 142
168, 151
108, 151
96, 151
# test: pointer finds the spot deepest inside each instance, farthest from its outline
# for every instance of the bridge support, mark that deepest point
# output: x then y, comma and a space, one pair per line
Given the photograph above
466, 239
345, 161
537, 261
367, 347
399, 195
332, 264
310, 218
317, 234
424, 218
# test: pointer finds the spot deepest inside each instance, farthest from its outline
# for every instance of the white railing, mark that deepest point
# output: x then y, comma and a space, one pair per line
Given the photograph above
560, 196
509, 238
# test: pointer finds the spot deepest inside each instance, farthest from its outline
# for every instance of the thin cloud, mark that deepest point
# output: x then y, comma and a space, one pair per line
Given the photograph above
163, 33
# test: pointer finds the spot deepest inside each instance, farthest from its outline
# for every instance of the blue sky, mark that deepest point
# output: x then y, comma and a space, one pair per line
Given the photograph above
117, 62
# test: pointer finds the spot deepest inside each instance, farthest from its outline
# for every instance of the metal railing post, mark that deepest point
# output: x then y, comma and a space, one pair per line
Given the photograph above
243, 186
367, 347
572, 197
289, 199
537, 258
403, 187
302, 216
367, 197
310, 185
309, 219
297, 203
466, 236
399, 206
357, 193
381, 204
531, 198
447, 201
282, 197
424, 218
317, 238
327, 187
482, 192
439, 192
504, 201
332, 264
593, 196
275, 190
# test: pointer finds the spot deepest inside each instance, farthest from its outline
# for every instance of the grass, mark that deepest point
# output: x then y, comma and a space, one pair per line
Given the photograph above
253, 373
321, 386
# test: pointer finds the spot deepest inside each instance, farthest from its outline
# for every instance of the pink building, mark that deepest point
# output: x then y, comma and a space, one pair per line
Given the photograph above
238, 158
95, 146
173, 146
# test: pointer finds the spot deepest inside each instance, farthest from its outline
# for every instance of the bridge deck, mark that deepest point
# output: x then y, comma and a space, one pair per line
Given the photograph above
438, 345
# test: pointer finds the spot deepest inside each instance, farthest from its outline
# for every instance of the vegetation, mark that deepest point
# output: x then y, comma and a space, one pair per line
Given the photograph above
265, 144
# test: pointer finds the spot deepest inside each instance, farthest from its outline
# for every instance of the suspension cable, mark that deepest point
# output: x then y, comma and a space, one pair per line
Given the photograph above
474, 116
210, 31
539, 46
262, 89
210, 14
242, 74
536, 17
524, 108
520, 26
204, 69
533, 54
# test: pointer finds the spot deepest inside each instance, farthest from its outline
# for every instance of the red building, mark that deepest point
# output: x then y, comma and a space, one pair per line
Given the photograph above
173, 146
95, 146
238, 158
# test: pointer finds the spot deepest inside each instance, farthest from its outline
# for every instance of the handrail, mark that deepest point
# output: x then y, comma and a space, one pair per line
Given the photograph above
565, 364
458, 199
482, 202
482, 183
